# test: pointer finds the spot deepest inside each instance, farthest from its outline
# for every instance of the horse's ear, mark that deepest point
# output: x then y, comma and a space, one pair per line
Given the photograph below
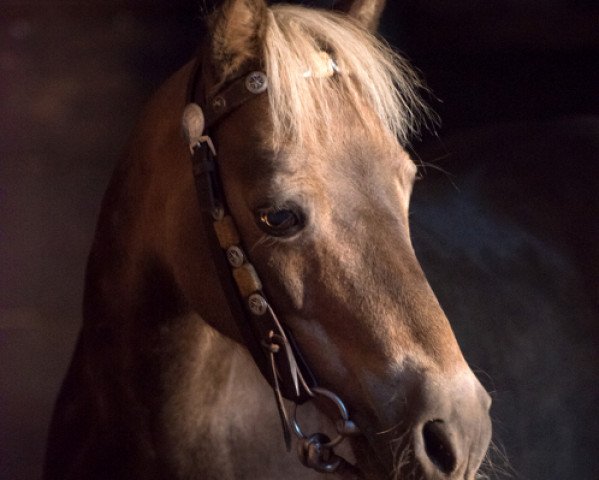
366, 12
237, 29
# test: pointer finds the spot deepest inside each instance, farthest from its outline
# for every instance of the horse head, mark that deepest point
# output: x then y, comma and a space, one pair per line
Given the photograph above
318, 183
308, 114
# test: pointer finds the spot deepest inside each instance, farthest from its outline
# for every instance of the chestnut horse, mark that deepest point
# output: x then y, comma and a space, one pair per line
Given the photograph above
295, 119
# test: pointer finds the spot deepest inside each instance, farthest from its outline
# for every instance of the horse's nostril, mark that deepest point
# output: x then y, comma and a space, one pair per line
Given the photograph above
438, 447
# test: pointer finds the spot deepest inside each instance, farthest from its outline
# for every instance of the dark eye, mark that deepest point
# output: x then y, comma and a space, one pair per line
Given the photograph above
280, 222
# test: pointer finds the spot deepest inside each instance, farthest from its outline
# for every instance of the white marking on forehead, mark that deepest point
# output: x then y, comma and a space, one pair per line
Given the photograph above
323, 66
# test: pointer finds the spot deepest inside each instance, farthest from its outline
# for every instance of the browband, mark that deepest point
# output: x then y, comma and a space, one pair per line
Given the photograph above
234, 95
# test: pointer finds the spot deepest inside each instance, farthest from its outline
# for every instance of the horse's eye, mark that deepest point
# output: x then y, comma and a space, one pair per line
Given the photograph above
280, 222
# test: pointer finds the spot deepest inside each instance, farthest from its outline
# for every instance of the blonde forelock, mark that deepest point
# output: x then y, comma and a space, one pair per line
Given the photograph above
371, 76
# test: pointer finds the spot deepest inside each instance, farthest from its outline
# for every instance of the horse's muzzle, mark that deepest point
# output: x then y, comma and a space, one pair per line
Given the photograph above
444, 435
452, 433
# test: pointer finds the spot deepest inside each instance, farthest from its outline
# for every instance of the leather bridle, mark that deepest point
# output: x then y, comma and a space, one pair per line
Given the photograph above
269, 341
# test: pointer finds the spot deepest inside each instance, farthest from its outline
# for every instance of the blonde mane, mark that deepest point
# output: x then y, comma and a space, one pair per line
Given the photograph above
371, 75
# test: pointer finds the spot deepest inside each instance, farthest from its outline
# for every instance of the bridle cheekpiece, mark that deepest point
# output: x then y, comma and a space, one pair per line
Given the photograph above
269, 341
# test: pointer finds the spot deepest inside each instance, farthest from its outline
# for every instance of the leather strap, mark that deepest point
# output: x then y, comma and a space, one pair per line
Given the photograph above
270, 343
265, 337
227, 100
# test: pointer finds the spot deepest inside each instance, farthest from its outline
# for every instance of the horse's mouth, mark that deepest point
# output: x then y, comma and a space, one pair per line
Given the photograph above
365, 463
369, 464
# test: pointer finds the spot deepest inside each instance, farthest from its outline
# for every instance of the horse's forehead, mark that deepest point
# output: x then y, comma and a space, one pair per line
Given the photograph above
346, 158
354, 151
355, 138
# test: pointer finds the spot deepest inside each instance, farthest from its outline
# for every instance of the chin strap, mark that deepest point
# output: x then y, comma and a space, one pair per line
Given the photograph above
271, 344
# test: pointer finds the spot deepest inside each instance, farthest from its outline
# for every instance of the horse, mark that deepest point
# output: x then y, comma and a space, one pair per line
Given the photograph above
267, 249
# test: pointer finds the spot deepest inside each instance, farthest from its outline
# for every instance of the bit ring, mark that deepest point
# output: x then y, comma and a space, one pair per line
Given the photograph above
323, 392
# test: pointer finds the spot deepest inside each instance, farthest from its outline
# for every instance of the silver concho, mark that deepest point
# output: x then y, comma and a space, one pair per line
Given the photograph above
235, 256
257, 304
217, 212
218, 103
256, 82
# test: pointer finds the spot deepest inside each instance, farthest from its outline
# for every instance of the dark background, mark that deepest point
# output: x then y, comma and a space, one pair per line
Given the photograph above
505, 218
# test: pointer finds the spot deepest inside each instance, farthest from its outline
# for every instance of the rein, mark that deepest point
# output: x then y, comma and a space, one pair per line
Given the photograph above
270, 342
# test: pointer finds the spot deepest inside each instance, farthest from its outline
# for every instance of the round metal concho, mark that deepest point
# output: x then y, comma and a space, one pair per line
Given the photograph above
257, 303
342, 412
256, 82
219, 103
217, 212
235, 256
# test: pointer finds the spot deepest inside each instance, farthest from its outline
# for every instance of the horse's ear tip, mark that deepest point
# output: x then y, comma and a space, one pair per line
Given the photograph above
236, 28
365, 12
251, 4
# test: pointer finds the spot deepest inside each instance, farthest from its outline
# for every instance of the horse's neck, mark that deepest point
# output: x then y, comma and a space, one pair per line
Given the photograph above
221, 419
203, 407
